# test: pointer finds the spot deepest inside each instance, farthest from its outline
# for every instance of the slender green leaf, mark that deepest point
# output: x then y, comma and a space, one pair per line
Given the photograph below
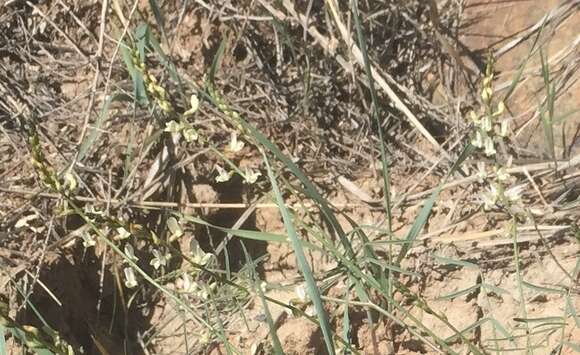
3, 341
276, 344
425, 212
539, 320
302, 262
448, 261
95, 131
248, 234
158, 15
459, 293
542, 289
138, 84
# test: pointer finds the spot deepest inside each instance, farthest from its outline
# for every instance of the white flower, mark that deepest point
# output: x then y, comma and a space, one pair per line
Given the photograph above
502, 174
130, 252
194, 101
174, 228
198, 255
477, 141
122, 233
500, 109
489, 197
235, 145
486, 124
205, 338
204, 291
264, 286
504, 128
159, 259
190, 135
189, 286
223, 175
173, 127
90, 209
70, 182
489, 146
514, 194
300, 292
486, 94
130, 280
88, 240
251, 176
482, 172
474, 117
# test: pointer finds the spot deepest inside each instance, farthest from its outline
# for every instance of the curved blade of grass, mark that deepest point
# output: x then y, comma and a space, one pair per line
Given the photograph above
276, 344
459, 293
138, 84
302, 263
95, 130
384, 159
2, 341
448, 261
497, 325
428, 206
248, 234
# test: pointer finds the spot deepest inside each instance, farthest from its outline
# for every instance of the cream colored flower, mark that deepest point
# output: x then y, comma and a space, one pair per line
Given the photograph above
130, 252
122, 233
489, 198
502, 174
194, 102
486, 124
159, 259
130, 280
477, 141
500, 109
173, 127
189, 286
70, 183
514, 194
504, 128
301, 293
251, 176
88, 240
174, 228
223, 175
190, 135
198, 256
235, 145
486, 94
481, 171
489, 146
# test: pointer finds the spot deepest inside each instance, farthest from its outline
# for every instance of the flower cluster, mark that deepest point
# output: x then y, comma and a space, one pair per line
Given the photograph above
45, 171
153, 88
184, 128
490, 129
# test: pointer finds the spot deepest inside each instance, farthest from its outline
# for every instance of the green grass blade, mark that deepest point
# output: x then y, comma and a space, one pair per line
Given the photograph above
459, 293
139, 91
542, 289
383, 149
3, 341
428, 206
448, 261
302, 262
95, 131
249, 234
276, 344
